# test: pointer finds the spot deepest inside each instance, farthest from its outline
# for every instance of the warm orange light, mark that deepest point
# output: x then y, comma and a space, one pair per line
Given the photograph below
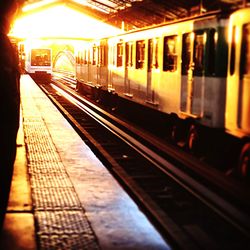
37, 5
35, 43
61, 21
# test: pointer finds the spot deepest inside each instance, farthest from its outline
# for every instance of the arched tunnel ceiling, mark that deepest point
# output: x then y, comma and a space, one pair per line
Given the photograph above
131, 14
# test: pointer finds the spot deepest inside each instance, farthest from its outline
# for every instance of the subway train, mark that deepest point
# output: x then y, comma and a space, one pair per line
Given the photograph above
36, 61
196, 71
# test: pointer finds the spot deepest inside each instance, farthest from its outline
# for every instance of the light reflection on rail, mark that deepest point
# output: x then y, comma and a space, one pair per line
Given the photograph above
211, 199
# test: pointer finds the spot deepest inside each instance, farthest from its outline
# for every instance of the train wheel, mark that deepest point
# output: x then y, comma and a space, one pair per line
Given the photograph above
78, 86
192, 139
244, 161
174, 129
174, 134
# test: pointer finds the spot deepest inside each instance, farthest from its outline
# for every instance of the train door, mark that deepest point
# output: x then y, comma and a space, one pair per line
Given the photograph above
152, 73
119, 67
84, 65
98, 65
238, 80
111, 62
89, 65
149, 71
128, 64
192, 85
244, 82
103, 62
238, 88
94, 66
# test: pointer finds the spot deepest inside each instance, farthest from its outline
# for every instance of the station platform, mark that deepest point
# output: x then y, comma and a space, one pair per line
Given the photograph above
62, 196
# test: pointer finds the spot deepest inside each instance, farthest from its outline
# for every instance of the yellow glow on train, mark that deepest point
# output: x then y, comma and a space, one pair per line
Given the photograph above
216, 37
192, 36
61, 21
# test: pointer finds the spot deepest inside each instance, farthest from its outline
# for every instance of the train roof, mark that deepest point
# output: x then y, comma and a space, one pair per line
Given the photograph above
134, 14
216, 15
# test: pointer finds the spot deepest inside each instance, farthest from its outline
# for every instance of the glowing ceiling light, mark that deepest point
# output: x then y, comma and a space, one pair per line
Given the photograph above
61, 21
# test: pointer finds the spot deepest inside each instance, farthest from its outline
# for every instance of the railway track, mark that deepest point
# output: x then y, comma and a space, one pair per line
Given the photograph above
185, 201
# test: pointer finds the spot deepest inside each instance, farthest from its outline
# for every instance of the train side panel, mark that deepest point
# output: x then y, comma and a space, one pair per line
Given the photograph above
182, 70
238, 82
116, 61
203, 72
102, 71
168, 82
178, 68
156, 74
238, 87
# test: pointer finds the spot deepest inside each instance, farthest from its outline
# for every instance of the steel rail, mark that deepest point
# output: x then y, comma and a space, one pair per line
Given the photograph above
219, 205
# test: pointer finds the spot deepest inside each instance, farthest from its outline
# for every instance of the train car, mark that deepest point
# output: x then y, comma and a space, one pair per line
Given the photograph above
238, 86
181, 69
38, 63
177, 68
92, 66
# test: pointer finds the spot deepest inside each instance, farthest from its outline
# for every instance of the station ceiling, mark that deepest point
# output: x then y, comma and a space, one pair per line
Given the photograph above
132, 14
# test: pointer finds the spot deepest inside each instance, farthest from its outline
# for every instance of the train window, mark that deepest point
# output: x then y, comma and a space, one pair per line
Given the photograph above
233, 48
211, 50
88, 56
153, 45
113, 49
150, 54
156, 51
21, 49
80, 58
102, 55
119, 56
170, 54
94, 55
199, 44
126, 54
98, 55
77, 57
245, 51
186, 53
140, 54
129, 54
41, 57
85, 60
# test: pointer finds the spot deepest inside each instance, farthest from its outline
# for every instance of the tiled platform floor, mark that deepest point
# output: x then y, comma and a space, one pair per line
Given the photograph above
62, 196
